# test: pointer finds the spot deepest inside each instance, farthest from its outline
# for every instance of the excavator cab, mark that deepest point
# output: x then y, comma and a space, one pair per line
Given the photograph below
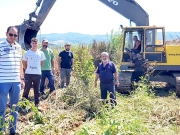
152, 44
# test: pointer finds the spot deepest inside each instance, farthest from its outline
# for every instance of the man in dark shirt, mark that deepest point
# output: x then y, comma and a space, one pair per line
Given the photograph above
65, 62
140, 68
106, 71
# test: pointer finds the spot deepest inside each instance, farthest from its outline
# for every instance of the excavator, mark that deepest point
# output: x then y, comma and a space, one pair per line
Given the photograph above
163, 57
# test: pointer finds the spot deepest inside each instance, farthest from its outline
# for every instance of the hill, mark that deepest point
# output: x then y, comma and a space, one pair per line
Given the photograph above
75, 38
78, 38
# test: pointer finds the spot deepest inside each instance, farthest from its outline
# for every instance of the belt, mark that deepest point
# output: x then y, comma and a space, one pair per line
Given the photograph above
106, 82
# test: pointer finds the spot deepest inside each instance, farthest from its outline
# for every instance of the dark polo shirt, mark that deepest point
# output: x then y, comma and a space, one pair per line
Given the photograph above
66, 59
106, 73
139, 65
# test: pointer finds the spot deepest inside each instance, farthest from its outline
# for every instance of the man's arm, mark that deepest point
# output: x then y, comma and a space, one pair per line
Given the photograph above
72, 61
116, 78
24, 64
21, 70
53, 63
42, 62
137, 45
43, 57
59, 62
22, 75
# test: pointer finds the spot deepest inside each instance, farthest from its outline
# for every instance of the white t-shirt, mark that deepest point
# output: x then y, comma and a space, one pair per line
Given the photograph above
33, 61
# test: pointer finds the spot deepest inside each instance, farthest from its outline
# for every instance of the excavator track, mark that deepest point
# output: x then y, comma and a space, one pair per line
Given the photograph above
170, 78
177, 85
125, 82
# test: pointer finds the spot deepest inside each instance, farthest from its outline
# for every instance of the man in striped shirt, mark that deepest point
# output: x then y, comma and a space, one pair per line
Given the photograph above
11, 74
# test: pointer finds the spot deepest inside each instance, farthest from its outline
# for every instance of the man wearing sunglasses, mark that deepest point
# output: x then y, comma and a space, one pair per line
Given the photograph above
11, 77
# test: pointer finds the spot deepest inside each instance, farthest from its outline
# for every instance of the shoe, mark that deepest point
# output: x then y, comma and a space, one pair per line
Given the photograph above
42, 93
14, 134
51, 91
38, 107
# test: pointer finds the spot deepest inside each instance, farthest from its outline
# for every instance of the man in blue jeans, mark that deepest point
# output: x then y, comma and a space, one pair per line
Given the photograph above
11, 77
106, 72
48, 67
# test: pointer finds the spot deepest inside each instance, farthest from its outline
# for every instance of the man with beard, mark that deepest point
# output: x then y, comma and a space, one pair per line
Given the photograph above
140, 68
106, 71
65, 62
47, 68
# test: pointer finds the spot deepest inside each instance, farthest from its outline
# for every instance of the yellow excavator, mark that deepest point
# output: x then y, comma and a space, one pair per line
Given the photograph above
153, 44
165, 58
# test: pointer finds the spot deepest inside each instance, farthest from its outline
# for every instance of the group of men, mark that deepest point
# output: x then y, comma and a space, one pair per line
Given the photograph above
30, 70
22, 72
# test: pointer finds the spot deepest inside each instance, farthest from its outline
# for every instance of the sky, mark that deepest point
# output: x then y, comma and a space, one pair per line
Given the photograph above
87, 16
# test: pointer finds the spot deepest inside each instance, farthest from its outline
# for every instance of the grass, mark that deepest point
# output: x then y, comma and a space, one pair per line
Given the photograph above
70, 111
77, 110
137, 114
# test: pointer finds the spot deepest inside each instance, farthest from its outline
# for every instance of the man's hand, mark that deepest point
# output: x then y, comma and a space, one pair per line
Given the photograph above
22, 84
117, 83
95, 84
53, 70
59, 69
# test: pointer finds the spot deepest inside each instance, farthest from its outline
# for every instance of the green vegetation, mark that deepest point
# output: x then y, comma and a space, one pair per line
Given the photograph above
78, 110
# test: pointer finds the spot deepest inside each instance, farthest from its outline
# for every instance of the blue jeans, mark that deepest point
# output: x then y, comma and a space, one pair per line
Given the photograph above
49, 75
105, 87
13, 89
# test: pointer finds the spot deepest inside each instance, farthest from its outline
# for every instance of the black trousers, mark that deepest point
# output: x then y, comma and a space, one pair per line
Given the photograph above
29, 79
136, 76
108, 87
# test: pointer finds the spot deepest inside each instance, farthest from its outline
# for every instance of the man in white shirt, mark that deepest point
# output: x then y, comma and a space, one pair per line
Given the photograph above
32, 61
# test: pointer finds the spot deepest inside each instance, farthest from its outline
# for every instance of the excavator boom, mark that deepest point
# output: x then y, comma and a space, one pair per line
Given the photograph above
130, 9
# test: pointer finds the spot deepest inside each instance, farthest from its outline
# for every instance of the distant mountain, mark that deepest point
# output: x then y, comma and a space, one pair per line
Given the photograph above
74, 38
78, 38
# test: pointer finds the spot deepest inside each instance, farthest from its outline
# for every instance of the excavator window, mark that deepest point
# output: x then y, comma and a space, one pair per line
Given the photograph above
129, 42
154, 38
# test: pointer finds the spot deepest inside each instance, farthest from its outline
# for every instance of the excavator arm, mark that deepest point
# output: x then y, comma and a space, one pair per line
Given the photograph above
130, 9
30, 27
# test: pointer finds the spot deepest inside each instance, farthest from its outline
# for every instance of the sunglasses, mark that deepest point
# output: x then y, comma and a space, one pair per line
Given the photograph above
34, 42
10, 34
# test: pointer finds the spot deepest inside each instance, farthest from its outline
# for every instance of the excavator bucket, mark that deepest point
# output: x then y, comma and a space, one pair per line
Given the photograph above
25, 35
30, 28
